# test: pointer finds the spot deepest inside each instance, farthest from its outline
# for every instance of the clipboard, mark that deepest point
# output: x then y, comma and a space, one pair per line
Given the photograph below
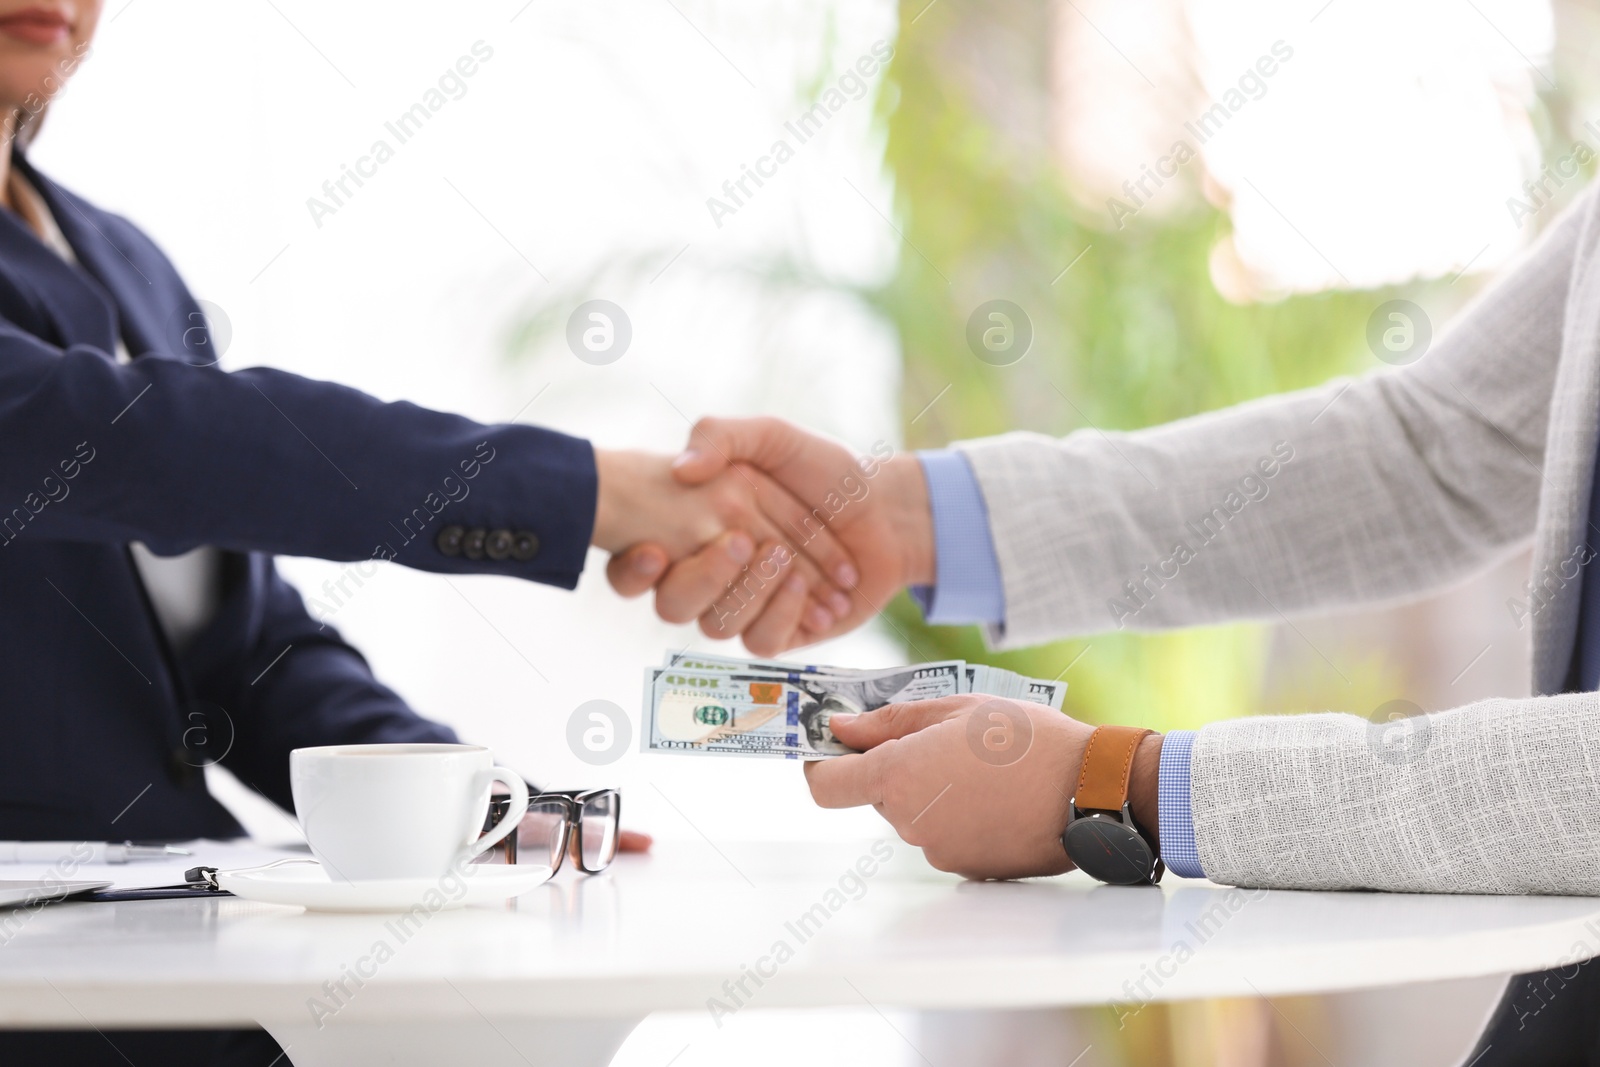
197, 882
154, 892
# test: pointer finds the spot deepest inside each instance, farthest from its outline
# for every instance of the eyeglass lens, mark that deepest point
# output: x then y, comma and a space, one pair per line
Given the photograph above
544, 832
599, 821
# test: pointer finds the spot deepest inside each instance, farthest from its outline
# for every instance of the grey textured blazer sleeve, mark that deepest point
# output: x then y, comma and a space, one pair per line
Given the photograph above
1357, 492
1399, 482
1500, 796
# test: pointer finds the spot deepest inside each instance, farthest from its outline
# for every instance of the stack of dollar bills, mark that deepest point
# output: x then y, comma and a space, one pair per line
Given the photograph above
726, 706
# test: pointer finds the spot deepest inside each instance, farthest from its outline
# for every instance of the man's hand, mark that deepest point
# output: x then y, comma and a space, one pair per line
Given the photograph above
877, 511
733, 524
981, 784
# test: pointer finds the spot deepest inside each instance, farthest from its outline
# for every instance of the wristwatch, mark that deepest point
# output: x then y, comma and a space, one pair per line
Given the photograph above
1101, 836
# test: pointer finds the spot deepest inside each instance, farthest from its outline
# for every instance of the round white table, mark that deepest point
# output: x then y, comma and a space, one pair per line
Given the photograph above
562, 974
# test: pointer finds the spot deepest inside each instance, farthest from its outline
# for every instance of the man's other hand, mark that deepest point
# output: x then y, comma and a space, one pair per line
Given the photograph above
981, 784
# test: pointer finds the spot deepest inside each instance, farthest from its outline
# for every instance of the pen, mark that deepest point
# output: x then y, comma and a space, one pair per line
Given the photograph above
83, 851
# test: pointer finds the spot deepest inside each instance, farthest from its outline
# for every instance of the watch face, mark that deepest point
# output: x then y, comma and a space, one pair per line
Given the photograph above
1106, 849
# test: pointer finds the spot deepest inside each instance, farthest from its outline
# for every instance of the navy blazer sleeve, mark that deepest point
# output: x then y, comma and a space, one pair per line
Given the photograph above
170, 450
277, 463
276, 680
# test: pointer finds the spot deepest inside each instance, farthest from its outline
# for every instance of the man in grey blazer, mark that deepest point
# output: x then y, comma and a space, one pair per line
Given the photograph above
1359, 492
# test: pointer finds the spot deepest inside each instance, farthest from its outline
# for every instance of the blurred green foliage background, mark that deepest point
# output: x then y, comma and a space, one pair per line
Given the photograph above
1134, 334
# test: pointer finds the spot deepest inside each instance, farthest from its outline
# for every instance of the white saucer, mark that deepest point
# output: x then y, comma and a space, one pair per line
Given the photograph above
306, 885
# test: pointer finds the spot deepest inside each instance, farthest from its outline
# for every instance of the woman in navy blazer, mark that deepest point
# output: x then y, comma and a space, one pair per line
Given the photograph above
121, 442
169, 451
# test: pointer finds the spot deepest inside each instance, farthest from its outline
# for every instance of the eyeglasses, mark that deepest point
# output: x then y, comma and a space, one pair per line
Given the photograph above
583, 822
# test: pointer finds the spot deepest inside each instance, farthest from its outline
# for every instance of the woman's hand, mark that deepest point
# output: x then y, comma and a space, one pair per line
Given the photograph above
634, 841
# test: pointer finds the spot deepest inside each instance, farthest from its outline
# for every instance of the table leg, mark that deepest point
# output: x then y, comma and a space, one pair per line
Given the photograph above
489, 1043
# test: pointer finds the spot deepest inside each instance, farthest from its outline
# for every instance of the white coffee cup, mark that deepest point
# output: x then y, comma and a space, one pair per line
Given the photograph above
399, 811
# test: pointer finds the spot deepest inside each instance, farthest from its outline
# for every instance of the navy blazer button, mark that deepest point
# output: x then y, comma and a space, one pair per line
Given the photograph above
472, 544
449, 540
497, 545
524, 546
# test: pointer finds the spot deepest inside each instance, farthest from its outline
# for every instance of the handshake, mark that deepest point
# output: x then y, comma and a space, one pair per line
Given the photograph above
764, 530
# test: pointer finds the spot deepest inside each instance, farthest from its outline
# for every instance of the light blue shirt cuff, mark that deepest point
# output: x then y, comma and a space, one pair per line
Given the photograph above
1177, 820
967, 585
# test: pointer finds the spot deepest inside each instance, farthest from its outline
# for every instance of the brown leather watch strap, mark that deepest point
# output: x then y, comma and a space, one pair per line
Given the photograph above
1107, 763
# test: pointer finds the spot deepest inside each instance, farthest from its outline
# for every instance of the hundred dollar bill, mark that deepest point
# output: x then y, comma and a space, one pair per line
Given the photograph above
1004, 683
1038, 691
977, 677
775, 713
705, 661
